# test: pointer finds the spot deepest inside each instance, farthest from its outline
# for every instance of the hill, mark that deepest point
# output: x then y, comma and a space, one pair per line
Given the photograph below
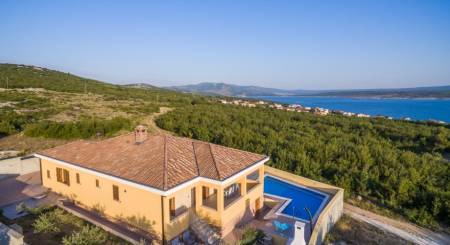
141, 85
24, 76
419, 92
224, 89
51, 104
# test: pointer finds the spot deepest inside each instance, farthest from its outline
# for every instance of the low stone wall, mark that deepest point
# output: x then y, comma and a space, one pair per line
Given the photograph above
330, 213
10, 236
18, 166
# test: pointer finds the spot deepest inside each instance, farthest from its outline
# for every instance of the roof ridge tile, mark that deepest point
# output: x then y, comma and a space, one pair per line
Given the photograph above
214, 161
165, 164
195, 158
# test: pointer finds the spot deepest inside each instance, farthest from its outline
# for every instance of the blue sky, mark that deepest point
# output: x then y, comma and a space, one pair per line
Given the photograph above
284, 44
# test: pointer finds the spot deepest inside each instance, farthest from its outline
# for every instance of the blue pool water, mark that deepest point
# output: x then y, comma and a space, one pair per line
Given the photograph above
301, 197
417, 109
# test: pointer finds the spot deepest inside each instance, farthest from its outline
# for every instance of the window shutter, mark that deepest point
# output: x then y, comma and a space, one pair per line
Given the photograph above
66, 177
59, 174
172, 206
116, 192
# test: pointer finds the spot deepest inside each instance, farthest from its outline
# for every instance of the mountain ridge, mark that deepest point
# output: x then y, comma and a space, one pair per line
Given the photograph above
224, 89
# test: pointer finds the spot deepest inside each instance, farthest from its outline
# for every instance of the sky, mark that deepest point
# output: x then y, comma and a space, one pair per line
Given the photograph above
281, 44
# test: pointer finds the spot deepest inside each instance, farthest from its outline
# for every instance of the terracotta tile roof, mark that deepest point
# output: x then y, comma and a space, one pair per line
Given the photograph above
161, 161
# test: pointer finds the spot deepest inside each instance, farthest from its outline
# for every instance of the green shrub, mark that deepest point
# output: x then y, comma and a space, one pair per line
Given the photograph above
85, 128
88, 235
252, 236
38, 210
46, 223
51, 221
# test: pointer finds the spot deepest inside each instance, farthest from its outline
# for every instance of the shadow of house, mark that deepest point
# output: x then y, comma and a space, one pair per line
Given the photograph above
20, 188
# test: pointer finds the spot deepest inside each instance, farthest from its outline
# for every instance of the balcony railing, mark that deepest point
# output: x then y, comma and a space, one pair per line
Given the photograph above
231, 198
178, 212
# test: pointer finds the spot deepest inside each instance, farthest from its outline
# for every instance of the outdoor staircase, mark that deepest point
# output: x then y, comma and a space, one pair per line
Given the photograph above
204, 231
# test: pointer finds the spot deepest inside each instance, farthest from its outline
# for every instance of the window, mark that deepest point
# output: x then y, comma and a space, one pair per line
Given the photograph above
97, 183
172, 207
78, 178
48, 174
63, 176
59, 175
66, 177
115, 192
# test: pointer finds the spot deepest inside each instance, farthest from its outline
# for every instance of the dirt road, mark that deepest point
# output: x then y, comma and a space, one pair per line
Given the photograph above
407, 231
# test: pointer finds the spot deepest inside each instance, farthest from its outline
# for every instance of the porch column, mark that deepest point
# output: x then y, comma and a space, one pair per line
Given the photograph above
244, 186
220, 199
198, 197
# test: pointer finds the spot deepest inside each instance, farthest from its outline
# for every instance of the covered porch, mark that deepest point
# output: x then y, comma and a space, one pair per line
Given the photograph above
267, 221
220, 198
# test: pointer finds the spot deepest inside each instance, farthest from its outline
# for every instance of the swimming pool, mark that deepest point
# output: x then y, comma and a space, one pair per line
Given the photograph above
298, 197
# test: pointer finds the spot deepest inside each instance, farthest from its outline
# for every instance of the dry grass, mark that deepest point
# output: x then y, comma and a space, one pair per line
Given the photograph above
24, 144
352, 231
72, 107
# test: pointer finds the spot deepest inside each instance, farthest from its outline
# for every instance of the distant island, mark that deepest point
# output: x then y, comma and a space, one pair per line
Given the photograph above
224, 89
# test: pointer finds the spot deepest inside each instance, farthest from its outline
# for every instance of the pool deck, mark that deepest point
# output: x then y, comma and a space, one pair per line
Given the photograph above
328, 214
264, 221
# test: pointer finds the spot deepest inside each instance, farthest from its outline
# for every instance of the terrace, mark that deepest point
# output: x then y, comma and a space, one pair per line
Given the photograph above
283, 224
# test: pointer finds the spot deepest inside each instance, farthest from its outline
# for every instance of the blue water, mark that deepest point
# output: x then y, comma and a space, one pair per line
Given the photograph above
301, 197
416, 109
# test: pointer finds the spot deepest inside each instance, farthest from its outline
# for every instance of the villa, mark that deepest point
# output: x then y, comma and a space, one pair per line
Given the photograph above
178, 185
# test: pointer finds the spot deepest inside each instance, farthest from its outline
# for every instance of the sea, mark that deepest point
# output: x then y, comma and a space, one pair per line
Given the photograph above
416, 109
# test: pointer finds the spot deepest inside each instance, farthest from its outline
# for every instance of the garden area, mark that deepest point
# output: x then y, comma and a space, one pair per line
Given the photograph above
52, 225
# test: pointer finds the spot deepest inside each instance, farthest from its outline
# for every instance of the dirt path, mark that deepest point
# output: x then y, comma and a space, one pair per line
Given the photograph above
404, 230
150, 121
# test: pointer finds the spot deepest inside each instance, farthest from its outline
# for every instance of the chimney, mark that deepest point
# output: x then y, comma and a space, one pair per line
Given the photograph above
140, 134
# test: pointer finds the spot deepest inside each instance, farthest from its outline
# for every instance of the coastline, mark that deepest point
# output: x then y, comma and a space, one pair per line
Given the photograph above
414, 109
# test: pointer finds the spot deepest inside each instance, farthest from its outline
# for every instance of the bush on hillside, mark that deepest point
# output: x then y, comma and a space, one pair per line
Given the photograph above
85, 128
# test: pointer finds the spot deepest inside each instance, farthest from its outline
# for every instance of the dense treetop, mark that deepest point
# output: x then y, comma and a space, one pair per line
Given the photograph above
394, 163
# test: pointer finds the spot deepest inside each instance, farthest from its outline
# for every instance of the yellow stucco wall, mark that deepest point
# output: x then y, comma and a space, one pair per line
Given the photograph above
133, 201
141, 203
225, 218
238, 210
